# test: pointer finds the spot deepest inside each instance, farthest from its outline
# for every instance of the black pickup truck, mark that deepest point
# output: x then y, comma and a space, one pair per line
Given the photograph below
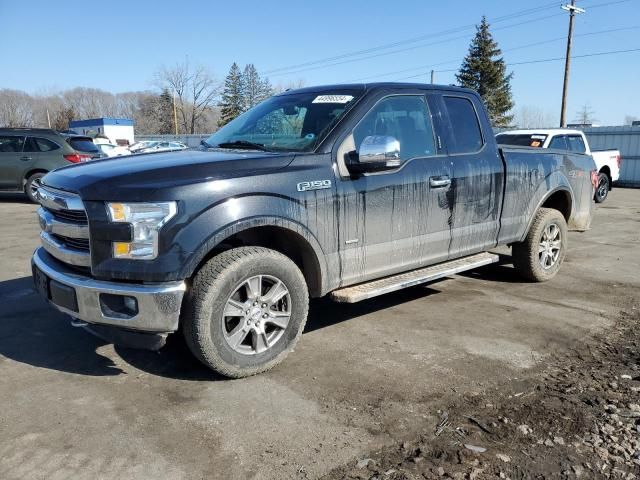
348, 190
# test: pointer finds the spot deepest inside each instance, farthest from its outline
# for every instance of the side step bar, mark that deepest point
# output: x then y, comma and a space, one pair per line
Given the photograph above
363, 291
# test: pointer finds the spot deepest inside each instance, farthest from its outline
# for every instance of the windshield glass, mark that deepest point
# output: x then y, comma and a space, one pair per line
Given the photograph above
521, 140
295, 122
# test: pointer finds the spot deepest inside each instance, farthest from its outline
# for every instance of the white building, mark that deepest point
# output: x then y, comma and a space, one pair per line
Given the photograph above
118, 130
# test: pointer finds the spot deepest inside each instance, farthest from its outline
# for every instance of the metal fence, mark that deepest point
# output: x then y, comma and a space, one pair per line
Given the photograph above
188, 140
626, 139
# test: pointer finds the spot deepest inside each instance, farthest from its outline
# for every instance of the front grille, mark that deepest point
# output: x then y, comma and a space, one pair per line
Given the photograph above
77, 243
75, 216
65, 229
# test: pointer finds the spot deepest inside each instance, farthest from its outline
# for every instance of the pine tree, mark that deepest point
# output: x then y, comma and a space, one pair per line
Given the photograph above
165, 113
255, 90
484, 71
233, 103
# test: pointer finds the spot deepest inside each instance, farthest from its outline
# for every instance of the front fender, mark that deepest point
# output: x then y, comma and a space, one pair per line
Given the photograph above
235, 215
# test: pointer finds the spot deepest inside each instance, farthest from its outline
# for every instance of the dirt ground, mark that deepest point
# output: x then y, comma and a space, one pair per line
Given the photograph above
577, 417
482, 359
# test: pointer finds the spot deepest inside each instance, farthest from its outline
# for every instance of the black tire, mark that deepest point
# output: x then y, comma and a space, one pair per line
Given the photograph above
527, 257
602, 190
30, 184
205, 328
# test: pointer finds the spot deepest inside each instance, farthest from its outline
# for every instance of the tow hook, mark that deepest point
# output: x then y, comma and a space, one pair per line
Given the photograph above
78, 323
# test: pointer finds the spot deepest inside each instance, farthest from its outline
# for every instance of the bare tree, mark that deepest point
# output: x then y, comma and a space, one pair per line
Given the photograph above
290, 85
16, 109
196, 91
585, 116
528, 116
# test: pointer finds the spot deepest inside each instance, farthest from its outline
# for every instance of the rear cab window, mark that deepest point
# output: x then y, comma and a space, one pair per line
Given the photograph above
465, 125
521, 139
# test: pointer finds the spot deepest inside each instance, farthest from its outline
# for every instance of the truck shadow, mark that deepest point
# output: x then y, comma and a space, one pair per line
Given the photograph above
33, 333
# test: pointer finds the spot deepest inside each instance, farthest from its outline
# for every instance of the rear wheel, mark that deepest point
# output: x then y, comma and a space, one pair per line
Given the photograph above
603, 188
31, 186
539, 256
245, 311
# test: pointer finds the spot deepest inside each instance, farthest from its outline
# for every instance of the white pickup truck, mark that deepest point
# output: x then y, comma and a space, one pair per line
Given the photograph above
607, 161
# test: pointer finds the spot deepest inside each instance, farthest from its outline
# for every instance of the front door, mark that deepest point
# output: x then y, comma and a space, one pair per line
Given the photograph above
396, 220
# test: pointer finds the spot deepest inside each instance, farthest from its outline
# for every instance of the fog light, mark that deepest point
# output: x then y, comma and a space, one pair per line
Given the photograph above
118, 306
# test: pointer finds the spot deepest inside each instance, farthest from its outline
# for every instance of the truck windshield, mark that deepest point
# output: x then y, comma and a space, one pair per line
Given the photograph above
295, 122
521, 140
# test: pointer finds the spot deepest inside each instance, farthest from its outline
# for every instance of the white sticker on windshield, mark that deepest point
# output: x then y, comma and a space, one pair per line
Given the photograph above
539, 137
333, 99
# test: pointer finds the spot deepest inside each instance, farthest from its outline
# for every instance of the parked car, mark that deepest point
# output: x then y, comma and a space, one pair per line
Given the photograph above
162, 147
608, 162
27, 154
351, 191
85, 145
112, 150
133, 148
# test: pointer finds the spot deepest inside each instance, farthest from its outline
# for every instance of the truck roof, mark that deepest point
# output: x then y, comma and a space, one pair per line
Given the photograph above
377, 85
543, 131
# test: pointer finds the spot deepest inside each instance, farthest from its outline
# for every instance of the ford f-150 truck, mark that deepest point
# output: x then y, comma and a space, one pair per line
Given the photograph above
607, 162
348, 190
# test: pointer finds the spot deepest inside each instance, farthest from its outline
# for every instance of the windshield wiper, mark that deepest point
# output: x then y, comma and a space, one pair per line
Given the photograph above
243, 144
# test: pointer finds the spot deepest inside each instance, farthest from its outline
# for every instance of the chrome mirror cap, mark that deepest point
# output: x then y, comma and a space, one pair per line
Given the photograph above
378, 149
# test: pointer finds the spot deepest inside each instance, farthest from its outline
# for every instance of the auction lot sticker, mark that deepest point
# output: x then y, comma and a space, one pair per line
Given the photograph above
333, 99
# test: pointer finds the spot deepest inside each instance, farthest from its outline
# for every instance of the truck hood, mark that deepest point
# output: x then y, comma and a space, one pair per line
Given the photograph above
139, 177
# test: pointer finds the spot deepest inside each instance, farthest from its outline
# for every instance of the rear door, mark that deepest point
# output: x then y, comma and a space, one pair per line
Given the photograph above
11, 161
477, 178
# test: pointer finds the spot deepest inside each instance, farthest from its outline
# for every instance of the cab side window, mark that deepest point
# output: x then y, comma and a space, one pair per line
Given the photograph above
559, 142
11, 143
576, 144
403, 117
465, 124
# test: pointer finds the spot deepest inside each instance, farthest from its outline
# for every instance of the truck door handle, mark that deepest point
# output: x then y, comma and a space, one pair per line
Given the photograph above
26, 159
440, 182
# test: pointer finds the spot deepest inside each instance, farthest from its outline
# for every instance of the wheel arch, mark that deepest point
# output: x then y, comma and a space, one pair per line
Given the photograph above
33, 171
285, 236
559, 198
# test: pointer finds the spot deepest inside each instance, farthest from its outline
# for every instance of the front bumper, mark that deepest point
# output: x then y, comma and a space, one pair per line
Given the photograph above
157, 305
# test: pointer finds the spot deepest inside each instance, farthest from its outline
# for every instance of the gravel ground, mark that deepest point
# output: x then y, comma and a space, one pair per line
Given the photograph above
578, 417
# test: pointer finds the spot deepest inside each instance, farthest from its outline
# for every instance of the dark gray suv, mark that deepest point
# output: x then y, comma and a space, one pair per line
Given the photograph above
27, 154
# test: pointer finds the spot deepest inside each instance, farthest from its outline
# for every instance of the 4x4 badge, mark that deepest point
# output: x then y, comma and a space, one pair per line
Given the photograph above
314, 185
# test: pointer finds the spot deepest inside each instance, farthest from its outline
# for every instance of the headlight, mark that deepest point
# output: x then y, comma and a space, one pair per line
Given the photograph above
147, 220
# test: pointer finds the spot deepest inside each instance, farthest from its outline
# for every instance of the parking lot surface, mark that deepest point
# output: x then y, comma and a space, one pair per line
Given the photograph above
363, 376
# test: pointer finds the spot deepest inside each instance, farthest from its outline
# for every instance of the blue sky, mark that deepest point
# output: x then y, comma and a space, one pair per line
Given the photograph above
118, 45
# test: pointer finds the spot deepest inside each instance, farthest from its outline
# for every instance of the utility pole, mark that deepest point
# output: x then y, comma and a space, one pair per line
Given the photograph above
175, 113
433, 76
572, 9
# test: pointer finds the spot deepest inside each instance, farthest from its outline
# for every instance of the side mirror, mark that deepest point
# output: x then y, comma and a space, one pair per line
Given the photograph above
377, 152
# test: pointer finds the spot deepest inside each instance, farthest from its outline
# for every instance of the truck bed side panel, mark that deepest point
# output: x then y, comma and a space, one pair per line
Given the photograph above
532, 176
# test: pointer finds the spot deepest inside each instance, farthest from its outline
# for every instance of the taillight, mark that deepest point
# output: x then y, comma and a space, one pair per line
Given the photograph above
619, 159
594, 178
77, 157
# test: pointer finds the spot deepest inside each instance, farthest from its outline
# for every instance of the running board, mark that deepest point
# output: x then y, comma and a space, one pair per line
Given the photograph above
363, 291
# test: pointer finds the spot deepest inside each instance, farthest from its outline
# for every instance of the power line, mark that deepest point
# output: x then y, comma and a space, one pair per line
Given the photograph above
520, 47
521, 13
439, 42
542, 60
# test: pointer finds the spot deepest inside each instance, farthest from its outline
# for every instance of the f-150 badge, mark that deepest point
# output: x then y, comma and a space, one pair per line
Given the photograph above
314, 185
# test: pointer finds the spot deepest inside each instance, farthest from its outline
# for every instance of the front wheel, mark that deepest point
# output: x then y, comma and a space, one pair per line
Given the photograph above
539, 256
245, 311
603, 188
